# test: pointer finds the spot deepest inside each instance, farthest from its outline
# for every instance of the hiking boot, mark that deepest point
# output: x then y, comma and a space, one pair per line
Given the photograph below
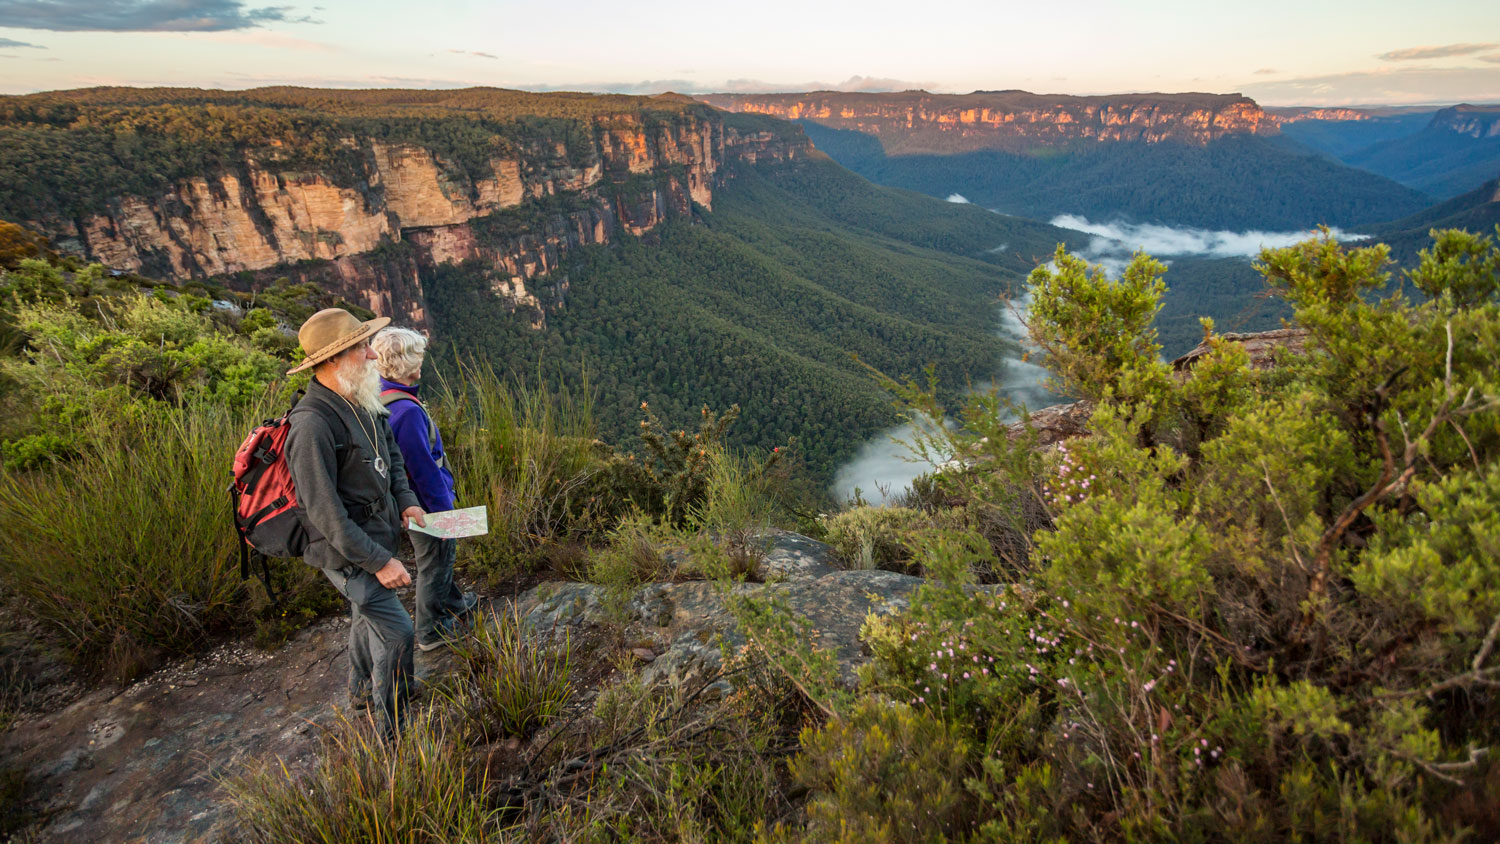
470, 602
441, 639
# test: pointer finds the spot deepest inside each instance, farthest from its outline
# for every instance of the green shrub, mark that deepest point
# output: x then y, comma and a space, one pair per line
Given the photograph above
679, 465
737, 509
423, 788
1097, 333
670, 769
513, 682
632, 556
872, 537
1260, 606
886, 773
157, 348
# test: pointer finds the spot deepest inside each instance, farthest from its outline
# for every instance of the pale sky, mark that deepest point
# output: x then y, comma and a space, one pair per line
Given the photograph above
1281, 53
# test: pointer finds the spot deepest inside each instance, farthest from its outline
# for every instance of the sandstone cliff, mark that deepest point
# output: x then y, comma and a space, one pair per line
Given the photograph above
368, 235
1474, 121
1284, 116
916, 122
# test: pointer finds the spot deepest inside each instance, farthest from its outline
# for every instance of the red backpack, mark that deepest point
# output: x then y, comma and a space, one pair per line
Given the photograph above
265, 499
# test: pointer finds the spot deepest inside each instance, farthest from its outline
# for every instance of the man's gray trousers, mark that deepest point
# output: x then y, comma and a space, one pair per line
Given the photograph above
380, 645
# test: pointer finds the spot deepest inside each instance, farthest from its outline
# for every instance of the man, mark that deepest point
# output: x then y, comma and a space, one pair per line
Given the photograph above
353, 496
440, 605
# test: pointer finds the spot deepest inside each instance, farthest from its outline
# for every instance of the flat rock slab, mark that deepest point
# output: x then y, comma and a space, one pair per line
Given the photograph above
140, 764
689, 622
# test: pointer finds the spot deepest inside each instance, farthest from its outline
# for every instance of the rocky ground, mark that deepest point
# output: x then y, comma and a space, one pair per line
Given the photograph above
141, 763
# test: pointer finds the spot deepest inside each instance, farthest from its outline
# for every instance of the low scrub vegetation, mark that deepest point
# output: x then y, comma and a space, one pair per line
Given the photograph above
122, 411
1259, 605
630, 762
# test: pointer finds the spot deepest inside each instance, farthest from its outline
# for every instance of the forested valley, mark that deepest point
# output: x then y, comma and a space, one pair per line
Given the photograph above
776, 301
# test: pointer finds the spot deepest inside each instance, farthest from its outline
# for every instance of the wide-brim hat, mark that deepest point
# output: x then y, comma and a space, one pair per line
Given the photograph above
330, 331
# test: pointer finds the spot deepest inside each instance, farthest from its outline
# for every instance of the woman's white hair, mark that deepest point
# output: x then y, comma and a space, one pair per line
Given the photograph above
399, 352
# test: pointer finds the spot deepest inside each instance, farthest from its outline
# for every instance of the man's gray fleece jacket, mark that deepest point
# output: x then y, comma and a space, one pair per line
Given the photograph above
353, 515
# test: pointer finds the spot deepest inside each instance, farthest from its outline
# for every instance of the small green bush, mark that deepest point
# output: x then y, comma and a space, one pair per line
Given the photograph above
670, 770
875, 537
887, 773
872, 537
632, 556
737, 510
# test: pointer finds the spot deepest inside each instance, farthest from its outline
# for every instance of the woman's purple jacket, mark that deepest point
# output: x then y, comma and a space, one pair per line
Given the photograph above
433, 483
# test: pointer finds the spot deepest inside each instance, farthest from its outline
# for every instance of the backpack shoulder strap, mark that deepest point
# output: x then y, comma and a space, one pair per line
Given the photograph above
390, 397
340, 428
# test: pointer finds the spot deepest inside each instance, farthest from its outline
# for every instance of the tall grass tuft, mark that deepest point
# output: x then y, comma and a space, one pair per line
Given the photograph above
423, 788
528, 454
129, 550
632, 556
737, 509
513, 682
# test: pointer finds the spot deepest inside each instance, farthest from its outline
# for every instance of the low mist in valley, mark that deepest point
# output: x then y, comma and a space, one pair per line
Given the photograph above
885, 466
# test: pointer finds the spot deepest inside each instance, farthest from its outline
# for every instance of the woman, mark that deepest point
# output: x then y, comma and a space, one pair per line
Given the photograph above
440, 605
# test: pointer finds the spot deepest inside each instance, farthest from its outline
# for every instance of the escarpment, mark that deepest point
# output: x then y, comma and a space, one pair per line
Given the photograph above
916, 122
1481, 121
368, 218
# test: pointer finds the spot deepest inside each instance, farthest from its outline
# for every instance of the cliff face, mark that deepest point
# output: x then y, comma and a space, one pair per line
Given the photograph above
254, 223
1284, 116
916, 122
1474, 121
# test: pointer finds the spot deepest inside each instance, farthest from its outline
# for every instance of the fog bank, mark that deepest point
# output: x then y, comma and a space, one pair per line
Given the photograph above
884, 467
1113, 244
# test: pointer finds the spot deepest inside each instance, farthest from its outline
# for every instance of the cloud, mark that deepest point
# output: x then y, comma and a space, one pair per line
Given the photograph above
262, 38
472, 53
141, 15
854, 84
235, 80
958, 199
1495, 59
1266, 71
1443, 52
1113, 244
730, 86
879, 83
6, 44
644, 87
1381, 86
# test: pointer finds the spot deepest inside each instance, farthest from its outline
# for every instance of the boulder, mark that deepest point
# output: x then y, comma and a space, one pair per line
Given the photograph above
690, 623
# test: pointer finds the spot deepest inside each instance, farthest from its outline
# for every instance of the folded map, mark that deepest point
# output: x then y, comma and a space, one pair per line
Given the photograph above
455, 524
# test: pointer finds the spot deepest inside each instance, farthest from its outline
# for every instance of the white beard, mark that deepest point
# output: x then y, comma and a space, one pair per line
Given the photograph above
357, 380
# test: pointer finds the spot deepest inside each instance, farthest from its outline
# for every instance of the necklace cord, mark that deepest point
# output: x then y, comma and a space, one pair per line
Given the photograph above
376, 458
